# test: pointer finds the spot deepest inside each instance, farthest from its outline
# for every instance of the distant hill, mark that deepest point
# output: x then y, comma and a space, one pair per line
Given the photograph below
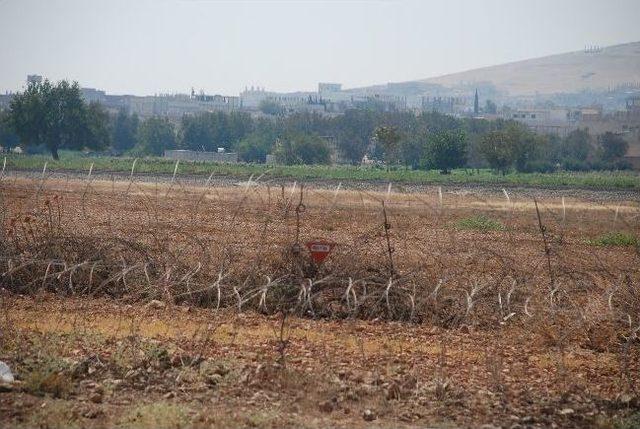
562, 73
597, 70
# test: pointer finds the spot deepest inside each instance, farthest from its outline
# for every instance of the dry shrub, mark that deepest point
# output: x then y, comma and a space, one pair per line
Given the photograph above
244, 249
43, 382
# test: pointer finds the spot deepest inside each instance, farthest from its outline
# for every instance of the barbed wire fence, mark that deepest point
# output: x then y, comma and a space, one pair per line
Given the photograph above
242, 248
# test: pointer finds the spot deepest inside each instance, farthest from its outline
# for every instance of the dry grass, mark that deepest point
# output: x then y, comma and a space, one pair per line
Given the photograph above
236, 247
488, 307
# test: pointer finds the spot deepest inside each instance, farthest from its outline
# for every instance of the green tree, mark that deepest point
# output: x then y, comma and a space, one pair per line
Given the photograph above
255, 147
155, 135
419, 131
445, 150
270, 107
239, 125
55, 116
353, 130
612, 146
97, 131
8, 138
475, 129
211, 130
527, 148
125, 128
199, 132
497, 149
389, 138
302, 149
576, 145
490, 107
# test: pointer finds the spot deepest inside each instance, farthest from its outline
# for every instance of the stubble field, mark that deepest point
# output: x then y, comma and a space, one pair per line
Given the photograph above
138, 304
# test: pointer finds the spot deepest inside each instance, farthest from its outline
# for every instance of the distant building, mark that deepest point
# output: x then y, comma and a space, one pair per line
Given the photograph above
589, 114
544, 121
92, 95
562, 121
329, 88
34, 79
384, 102
633, 106
171, 106
251, 100
5, 100
448, 105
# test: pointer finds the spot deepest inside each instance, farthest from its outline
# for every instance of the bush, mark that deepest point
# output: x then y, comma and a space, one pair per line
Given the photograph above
619, 164
539, 167
480, 223
48, 377
572, 164
622, 164
615, 239
302, 149
445, 151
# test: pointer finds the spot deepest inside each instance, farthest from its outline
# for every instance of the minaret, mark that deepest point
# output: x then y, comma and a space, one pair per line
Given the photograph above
476, 105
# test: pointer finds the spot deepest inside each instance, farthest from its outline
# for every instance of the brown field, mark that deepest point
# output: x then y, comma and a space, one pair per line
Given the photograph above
162, 305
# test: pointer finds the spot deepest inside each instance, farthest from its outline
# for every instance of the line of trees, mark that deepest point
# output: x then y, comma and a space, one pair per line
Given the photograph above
54, 116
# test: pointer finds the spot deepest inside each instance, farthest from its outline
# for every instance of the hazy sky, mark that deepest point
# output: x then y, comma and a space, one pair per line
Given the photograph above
152, 46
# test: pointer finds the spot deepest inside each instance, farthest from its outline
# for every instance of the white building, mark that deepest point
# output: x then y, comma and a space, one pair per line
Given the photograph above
544, 121
250, 99
175, 106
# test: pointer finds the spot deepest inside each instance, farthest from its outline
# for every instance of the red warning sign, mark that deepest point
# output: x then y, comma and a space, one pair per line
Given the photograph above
320, 250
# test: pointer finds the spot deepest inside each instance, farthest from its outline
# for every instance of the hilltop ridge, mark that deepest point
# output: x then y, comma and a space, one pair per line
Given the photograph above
596, 70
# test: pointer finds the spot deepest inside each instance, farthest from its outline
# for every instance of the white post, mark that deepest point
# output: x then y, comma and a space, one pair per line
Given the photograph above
175, 170
133, 167
90, 171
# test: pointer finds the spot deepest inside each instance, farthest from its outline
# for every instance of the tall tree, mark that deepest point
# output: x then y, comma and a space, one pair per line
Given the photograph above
490, 107
526, 147
210, 130
8, 138
302, 149
476, 104
97, 133
55, 116
125, 128
155, 135
612, 146
354, 130
389, 137
497, 149
255, 146
445, 150
576, 145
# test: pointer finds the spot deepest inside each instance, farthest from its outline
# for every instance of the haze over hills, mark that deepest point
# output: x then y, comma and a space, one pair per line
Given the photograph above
595, 69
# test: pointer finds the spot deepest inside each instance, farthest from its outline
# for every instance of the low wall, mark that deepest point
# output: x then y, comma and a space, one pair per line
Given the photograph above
190, 155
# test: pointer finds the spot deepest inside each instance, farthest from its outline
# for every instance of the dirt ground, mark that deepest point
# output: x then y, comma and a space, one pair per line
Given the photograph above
471, 310
135, 365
